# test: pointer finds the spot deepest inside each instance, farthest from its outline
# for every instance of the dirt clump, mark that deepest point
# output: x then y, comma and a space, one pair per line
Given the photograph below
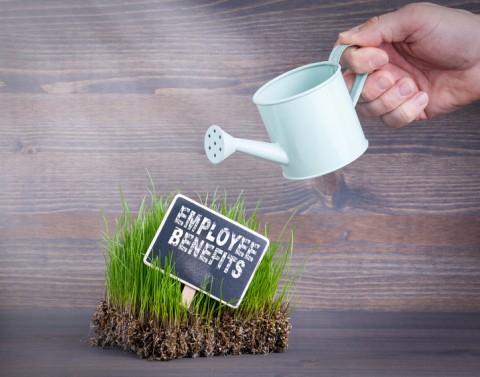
222, 335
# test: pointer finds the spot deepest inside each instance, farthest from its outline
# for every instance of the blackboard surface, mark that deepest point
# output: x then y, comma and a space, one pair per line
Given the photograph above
209, 251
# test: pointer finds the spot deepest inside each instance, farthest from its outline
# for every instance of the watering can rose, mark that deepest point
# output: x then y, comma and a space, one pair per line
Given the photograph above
197, 235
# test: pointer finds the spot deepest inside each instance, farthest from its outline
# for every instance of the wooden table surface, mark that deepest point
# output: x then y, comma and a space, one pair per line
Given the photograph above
95, 94
54, 342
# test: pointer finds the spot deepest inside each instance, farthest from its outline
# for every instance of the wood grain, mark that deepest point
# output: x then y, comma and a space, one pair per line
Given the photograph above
95, 94
55, 343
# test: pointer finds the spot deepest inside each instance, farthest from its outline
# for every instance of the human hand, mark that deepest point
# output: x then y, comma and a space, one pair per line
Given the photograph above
423, 60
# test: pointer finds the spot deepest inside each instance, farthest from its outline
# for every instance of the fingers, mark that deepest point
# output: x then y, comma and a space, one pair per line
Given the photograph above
410, 110
395, 99
388, 101
364, 60
390, 91
398, 105
377, 83
366, 34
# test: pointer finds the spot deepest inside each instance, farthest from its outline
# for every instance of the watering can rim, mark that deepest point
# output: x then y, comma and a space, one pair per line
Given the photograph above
257, 101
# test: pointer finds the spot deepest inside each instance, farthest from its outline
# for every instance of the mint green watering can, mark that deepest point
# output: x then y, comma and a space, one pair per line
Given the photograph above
310, 118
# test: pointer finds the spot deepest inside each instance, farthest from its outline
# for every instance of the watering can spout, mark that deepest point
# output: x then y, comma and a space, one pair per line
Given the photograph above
219, 145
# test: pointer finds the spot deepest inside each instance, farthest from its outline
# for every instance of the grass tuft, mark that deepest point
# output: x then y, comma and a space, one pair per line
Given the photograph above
154, 299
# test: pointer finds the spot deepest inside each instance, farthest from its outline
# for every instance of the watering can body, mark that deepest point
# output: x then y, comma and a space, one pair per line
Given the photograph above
310, 119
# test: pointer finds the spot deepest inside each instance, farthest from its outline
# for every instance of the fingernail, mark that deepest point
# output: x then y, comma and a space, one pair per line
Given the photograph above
383, 83
351, 31
405, 89
421, 99
378, 61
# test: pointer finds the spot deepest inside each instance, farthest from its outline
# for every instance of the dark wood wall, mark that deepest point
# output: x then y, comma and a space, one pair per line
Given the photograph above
94, 94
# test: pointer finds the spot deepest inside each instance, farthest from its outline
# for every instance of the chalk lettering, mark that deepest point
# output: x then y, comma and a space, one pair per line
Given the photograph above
181, 215
217, 255
192, 221
186, 241
205, 225
196, 247
220, 262
252, 250
225, 233
238, 269
206, 252
210, 236
242, 246
175, 237
234, 240
231, 259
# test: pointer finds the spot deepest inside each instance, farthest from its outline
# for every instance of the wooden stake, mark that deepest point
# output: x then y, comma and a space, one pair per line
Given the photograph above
187, 295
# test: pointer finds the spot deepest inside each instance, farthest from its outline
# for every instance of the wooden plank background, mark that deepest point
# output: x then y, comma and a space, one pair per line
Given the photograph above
95, 93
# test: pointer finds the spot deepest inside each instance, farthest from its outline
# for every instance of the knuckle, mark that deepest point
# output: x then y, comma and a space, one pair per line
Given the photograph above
363, 110
377, 84
349, 60
401, 116
391, 121
369, 93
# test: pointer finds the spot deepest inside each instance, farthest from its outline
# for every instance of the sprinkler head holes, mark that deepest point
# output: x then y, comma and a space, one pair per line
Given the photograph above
215, 144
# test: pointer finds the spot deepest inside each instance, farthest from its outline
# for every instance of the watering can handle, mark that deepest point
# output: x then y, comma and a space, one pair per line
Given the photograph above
359, 78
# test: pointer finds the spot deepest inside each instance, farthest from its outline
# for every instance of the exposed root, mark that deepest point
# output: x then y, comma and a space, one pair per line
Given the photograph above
225, 335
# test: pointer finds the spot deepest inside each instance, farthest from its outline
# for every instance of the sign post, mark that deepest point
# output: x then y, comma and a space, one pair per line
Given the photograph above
187, 295
210, 252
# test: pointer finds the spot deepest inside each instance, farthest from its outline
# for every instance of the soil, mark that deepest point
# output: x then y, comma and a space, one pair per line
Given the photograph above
225, 335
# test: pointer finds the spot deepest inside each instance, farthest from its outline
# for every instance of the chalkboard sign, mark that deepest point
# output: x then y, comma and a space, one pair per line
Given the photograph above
210, 252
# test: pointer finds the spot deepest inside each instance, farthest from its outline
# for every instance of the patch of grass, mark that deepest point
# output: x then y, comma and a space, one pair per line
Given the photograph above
148, 295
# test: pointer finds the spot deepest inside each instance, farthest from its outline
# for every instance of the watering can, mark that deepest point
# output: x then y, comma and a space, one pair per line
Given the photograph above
310, 119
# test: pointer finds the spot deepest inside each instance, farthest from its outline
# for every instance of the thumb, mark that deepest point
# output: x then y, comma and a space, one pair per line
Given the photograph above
367, 34
391, 27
